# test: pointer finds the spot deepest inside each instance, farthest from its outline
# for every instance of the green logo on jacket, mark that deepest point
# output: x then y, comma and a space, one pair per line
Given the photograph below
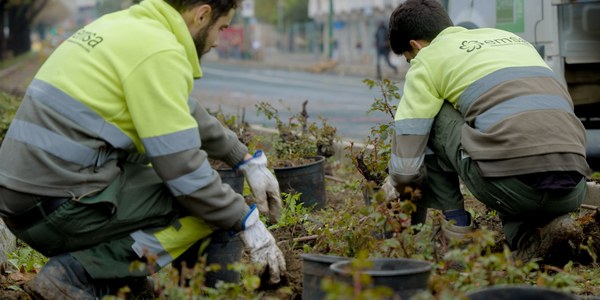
473, 45
86, 39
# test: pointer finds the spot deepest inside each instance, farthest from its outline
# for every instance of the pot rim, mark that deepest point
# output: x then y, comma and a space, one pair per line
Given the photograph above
317, 160
324, 258
426, 266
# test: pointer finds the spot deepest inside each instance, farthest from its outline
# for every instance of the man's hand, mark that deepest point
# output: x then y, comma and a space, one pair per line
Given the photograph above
263, 184
392, 190
262, 246
389, 190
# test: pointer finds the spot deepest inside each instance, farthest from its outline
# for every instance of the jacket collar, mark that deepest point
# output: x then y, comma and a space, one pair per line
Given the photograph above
173, 21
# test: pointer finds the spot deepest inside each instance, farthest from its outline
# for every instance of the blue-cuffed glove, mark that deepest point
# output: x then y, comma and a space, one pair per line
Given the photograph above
262, 246
408, 191
263, 184
389, 190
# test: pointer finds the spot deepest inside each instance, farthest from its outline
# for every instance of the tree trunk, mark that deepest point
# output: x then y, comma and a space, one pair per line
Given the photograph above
20, 18
2, 36
19, 38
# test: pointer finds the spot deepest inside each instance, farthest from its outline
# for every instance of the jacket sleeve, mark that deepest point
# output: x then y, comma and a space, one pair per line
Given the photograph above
414, 118
157, 100
218, 141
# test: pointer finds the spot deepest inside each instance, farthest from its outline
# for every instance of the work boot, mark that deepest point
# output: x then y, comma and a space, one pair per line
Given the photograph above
63, 277
457, 225
457, 233
555, 237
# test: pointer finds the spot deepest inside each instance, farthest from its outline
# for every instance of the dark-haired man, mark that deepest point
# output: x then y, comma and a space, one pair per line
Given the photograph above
481, 105
105, 163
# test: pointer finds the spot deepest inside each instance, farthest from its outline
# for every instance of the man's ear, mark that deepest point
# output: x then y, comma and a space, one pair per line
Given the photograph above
201, 14
418, 44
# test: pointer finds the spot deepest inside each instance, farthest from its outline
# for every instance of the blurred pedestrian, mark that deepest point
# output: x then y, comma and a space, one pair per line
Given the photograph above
382, 45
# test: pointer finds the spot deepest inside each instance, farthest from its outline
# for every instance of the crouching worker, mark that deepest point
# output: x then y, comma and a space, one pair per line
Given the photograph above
481, 105
105, 163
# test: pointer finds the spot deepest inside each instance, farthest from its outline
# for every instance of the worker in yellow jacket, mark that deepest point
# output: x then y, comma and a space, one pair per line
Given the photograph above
481, 105
106, 163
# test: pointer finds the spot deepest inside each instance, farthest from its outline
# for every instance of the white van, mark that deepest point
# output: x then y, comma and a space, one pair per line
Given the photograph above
565, 32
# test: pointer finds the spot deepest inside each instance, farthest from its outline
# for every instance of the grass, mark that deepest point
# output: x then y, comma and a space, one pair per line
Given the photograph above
8, 107
16, 60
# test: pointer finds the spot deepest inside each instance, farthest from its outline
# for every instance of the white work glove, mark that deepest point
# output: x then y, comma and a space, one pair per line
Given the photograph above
393, 190
263, 184
389, 190
262, 246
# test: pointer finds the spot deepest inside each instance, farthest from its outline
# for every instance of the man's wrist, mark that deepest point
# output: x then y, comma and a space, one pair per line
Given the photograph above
251, 217
248, 158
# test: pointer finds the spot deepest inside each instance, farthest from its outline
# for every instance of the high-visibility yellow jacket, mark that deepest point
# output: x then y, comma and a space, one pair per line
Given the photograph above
119, 86
519, 115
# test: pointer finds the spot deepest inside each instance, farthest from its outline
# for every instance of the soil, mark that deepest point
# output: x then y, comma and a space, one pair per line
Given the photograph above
588, 218
10, 286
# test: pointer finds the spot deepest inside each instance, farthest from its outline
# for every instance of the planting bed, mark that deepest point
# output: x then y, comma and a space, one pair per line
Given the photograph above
347, 227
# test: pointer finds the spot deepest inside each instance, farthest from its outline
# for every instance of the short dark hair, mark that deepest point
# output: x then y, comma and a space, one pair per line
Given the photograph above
416, 20
219, 7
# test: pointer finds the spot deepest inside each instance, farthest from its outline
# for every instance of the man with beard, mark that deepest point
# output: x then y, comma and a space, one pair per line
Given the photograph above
105, 163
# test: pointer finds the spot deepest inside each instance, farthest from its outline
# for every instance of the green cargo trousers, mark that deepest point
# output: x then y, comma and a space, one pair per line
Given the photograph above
134, 219
520, 207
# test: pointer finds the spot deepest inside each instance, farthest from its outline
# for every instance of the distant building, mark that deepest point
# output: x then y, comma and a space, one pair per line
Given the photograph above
86, 12
354, 25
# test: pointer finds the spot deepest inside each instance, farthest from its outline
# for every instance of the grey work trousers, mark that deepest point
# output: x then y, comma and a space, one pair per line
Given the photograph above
97, 230
521, 207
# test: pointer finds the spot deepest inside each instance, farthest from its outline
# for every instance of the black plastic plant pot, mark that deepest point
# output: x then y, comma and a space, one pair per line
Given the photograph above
224, 249
406, 277
518, 292
315, 267
232, 178
307, 179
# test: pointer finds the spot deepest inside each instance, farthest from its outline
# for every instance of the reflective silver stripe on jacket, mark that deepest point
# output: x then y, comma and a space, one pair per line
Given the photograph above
406, 166
189, 183
413, 126
51, 142
79, 113
484, 84
145, 243
409, 146
520, 104
172, 143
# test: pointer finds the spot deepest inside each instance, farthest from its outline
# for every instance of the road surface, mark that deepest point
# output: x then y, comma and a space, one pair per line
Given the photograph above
342, 100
